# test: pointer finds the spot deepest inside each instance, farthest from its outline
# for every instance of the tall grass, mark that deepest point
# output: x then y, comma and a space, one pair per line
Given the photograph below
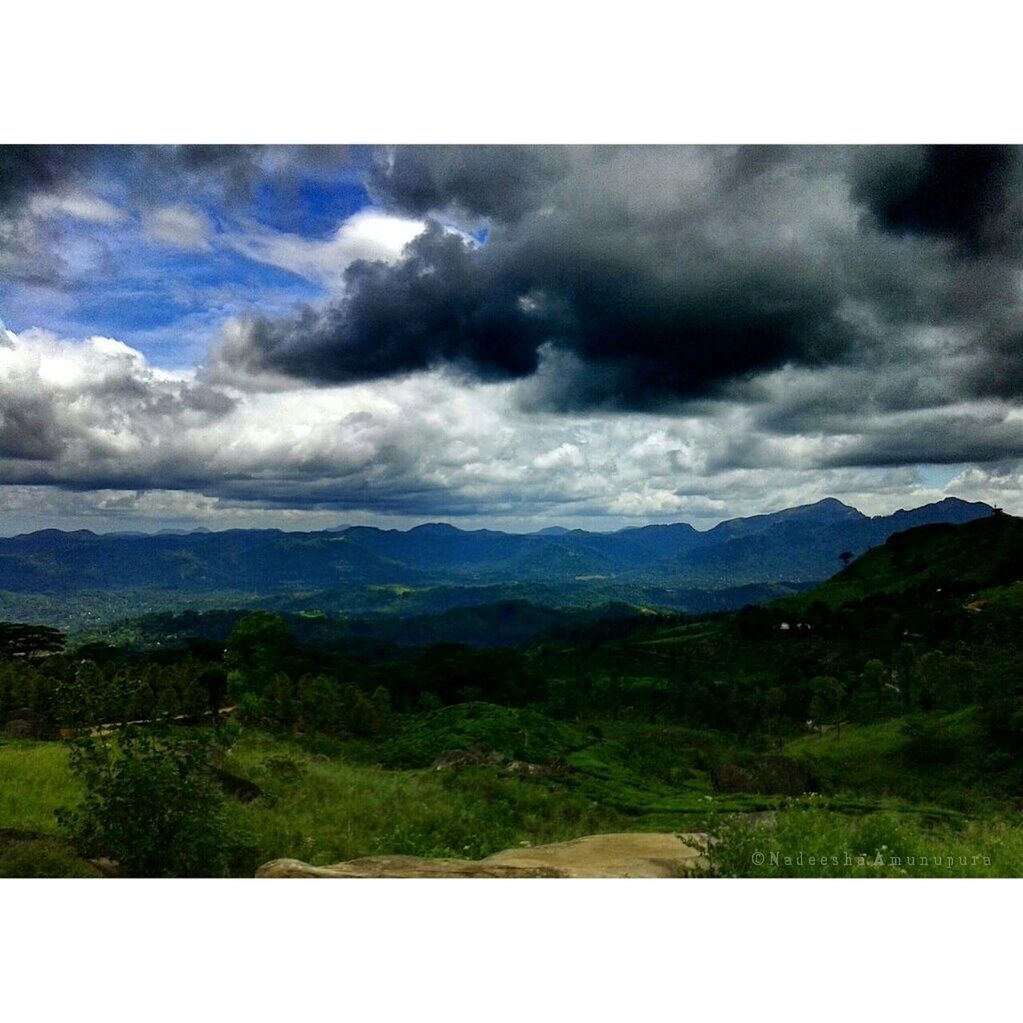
34, 781
810, 840
324, 811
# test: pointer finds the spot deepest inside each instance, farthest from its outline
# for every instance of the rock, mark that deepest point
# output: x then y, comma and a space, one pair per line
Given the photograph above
456, 759
619, 855
553, 768
19, 728
771, 775
401, 866
731, 777
242, 789
283, 767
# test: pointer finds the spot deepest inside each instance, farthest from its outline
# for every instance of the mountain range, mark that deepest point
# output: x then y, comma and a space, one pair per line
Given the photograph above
797, 547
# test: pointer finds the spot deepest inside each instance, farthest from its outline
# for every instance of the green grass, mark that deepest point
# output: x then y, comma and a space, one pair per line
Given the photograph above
325, 810
977, 552
325, 801
811, 839
880, 760
26, 855
330, 810
1007, 598
515, 734
34, 781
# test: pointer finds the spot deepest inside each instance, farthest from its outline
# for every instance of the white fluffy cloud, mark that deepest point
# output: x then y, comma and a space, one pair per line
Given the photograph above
369, 234
91, 432
79, 205
178, 226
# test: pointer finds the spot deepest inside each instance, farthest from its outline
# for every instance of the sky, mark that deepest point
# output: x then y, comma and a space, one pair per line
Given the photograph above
513, 337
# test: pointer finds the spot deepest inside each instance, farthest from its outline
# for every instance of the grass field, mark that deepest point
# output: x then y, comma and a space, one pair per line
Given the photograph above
813, 839
324, 801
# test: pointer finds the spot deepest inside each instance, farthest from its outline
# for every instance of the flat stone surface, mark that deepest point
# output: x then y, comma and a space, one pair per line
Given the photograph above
620, 855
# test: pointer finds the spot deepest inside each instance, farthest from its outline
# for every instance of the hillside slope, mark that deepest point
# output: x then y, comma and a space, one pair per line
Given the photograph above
969, 558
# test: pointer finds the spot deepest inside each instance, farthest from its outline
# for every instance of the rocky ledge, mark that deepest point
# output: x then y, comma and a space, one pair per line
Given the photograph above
621, 855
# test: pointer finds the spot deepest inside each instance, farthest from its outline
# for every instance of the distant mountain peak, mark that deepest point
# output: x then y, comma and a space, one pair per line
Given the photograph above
437, 528
830, 506
953, 509
956, 502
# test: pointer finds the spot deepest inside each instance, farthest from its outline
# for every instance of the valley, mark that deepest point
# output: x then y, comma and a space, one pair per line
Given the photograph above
878, 714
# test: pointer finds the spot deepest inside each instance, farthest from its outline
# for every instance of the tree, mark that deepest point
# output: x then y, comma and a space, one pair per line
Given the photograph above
942, 681
213, 680
845, 557
279, 705
876, 694
78, 697
320, 706
358, 713
18, 640
773, 706
827, 705
381, 700
150, 803
257, 649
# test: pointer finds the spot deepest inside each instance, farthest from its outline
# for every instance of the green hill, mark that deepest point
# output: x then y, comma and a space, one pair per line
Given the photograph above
970, 558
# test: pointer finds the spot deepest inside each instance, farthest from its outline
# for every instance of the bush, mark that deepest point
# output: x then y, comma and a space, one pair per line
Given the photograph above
928, 741
150, 804
515, 734
41, 857
808, 838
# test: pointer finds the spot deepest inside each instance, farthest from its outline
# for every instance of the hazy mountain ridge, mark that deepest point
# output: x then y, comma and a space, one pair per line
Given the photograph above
796, 545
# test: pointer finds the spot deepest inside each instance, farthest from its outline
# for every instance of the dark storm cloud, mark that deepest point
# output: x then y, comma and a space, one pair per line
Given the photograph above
761, 313
500, 182
959, 193
27, 428
653, 276
227, 176
440, 305
25, 170
952, 437
636, 262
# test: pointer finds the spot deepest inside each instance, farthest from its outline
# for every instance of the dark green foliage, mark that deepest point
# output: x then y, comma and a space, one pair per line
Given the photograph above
257, 649
811, 838
908, 665
827, 704
28, 855
928, 741
79, 695
985, 552
515, 734
150, 804
19, 640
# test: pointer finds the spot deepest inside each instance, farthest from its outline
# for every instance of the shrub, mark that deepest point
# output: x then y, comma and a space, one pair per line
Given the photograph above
150, 803
928, 741
42, 857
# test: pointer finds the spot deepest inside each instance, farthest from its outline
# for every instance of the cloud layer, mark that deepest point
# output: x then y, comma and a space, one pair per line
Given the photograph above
666, 275
95, 420
508, 335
